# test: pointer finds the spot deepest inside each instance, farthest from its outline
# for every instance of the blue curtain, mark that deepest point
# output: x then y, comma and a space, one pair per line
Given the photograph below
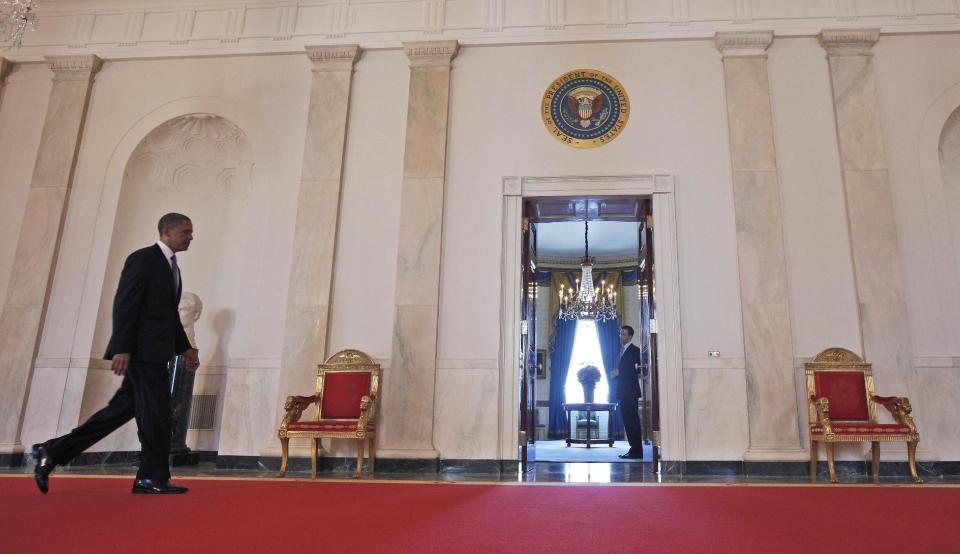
608, 332
561, 348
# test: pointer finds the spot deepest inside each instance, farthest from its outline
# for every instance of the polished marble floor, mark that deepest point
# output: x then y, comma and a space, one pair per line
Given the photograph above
540, 472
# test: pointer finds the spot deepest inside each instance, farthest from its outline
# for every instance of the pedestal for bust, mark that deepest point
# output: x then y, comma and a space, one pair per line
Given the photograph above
181, 400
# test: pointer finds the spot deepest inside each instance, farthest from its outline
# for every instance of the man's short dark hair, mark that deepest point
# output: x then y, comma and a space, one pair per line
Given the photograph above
170, 220
629, 329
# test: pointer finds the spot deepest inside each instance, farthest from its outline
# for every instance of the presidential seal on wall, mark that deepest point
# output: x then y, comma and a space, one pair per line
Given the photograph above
585, 108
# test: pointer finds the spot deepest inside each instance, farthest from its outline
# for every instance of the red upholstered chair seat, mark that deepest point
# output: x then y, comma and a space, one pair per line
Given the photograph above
335, 425
865, 428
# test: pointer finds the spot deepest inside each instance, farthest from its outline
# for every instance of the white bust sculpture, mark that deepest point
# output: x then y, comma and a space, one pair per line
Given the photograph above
190, 309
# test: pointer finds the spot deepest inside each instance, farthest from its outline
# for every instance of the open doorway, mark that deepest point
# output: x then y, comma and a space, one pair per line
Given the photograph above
588, 271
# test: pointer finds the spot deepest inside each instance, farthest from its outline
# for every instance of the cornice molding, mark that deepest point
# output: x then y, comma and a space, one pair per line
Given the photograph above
431, 53
612, 262
74, 68
334, 57
132, 29
849, 42
751, 44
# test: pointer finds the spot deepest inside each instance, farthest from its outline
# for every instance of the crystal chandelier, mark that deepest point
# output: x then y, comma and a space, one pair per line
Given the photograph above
16, 17
588, 302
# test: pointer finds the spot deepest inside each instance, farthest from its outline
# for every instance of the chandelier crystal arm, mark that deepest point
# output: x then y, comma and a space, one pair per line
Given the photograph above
17, 17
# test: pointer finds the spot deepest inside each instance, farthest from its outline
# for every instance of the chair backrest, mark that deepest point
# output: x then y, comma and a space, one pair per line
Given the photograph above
846, 381
342, 381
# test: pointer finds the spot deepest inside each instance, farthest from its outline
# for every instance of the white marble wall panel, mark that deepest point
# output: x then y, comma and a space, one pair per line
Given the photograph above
42, 411
715, 413
248, 423
767, 331
467, 423
935, 409
411, 380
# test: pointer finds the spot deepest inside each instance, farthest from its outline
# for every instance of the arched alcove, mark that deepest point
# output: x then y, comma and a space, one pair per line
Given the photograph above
198, 164
949, 149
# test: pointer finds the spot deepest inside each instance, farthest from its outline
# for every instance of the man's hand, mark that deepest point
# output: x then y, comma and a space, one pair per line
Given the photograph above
192, 358
615, 373
120, 364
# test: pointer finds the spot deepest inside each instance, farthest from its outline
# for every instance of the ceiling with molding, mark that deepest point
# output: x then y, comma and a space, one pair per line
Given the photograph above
608, 239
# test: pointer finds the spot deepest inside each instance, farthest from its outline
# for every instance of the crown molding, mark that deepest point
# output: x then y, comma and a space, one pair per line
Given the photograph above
849, 42
333, 58
129, 29
74, 68
744, 44
431, 53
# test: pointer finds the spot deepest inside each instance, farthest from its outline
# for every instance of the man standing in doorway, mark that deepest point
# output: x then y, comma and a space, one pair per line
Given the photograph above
147, 333
628, 393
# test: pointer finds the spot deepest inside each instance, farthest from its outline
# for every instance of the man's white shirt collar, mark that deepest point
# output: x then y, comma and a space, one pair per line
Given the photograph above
166, 252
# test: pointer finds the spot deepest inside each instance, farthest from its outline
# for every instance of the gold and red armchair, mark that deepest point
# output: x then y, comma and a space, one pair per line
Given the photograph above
842, 407
348, 384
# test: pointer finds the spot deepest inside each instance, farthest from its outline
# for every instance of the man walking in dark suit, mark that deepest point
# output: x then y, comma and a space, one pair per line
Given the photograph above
628, 393
147, 333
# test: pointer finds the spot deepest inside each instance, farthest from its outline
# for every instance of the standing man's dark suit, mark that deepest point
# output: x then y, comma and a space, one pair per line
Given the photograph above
628, 393
147, 333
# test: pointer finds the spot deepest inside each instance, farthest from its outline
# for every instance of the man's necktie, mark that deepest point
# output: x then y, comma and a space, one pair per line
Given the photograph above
176, 277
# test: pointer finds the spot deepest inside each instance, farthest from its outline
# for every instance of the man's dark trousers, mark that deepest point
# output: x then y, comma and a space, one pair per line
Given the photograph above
144, 395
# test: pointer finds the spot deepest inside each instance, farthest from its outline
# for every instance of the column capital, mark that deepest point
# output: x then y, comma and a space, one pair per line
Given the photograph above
5, 67
333, 58
74, 68
431, 53
849, 42
747, 44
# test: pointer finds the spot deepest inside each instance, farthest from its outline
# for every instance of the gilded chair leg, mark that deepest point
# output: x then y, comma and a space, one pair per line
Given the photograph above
833, 470
875, 469
313, 456
356, 474
373, 456
813, 460
284, 452
912, 457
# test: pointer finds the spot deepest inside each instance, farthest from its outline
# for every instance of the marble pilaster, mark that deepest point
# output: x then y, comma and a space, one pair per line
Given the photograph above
409, 385
874, 245
764, 296
318, 208
21, 321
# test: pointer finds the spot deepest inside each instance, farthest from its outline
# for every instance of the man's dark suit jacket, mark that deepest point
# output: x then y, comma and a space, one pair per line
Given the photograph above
628, 383
146, 323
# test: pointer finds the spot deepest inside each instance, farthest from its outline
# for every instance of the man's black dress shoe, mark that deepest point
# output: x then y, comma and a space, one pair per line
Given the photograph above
631, 456
45, 465
156, 486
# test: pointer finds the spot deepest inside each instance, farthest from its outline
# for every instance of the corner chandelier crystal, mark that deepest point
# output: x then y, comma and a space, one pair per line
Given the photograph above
588, 302
16, 17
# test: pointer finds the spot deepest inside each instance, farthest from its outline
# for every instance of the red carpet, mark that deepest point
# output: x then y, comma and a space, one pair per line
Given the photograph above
220, 515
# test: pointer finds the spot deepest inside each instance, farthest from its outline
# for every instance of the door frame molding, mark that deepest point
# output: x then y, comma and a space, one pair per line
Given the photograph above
661, 189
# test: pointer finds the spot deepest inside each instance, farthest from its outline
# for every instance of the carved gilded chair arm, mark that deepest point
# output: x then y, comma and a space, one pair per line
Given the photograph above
899, 407
822, 406
294, 406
